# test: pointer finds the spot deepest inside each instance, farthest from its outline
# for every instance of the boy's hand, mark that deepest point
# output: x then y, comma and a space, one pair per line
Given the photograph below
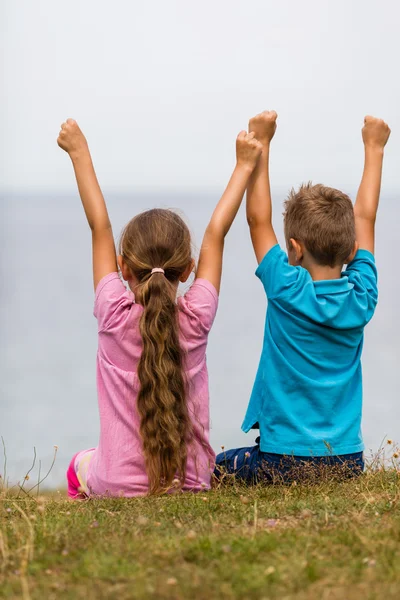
71, 138
375, 133
248, 150
264, 126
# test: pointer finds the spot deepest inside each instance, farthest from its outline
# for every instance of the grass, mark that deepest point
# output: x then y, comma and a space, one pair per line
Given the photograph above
333, 540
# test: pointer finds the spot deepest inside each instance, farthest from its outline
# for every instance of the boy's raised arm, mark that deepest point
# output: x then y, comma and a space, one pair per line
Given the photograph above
72, 140
259, 206
248, 151
375, 134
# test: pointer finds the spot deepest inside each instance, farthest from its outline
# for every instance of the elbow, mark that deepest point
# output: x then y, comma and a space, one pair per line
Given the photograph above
216, 231
100, 226
251, 220
254, 221
365, 216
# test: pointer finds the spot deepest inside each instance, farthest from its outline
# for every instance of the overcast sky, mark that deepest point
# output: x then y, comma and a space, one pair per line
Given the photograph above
162, 88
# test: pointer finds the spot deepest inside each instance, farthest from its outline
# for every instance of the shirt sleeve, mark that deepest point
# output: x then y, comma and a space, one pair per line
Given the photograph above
276, 275
112, 301
363, 274
201, 302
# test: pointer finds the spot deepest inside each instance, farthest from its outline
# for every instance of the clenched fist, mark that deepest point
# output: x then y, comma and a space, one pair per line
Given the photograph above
264, 126
375, 132
248, 149
71, 138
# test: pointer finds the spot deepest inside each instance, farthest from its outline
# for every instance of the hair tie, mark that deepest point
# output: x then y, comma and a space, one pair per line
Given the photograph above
157, 270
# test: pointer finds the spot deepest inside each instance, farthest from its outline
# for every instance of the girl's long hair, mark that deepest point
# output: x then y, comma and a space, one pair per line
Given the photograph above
160, 238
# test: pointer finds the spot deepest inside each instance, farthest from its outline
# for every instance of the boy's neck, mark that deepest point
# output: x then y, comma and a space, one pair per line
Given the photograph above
322, 272
298, 254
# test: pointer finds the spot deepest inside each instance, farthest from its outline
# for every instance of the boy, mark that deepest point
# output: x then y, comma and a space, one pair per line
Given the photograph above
307, 396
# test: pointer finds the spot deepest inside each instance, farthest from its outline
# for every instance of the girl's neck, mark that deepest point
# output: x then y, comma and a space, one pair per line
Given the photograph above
133, 285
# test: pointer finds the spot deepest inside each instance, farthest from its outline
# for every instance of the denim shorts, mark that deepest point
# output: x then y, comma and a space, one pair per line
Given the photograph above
252, 465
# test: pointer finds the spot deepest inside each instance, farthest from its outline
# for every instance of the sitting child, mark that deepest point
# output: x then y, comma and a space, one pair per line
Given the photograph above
152, 378
307, 396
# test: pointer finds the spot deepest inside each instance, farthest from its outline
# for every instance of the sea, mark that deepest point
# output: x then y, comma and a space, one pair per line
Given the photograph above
48, 402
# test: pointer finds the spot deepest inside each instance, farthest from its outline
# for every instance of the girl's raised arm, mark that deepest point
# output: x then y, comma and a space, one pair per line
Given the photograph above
72, 140
248, 151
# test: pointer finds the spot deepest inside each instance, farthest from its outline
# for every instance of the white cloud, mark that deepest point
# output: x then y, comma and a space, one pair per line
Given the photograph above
162, 88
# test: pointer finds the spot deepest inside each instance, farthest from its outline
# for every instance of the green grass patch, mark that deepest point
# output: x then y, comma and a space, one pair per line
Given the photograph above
334, 540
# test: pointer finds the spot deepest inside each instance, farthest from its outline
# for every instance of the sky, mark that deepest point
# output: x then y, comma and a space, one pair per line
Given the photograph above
161, 88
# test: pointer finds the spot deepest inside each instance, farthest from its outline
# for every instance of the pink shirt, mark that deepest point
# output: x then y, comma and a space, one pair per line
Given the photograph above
118, 466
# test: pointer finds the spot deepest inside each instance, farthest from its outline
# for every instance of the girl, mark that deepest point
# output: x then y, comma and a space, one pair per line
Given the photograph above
152, 378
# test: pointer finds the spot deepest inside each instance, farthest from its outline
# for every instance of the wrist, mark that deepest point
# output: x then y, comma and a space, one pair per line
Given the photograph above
266, 144
245, 167
374, 150
79, 154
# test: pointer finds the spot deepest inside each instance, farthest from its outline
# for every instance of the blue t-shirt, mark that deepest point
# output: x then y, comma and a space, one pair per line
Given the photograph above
307, 396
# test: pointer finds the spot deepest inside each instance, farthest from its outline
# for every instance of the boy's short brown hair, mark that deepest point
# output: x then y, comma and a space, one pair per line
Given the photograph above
322, 218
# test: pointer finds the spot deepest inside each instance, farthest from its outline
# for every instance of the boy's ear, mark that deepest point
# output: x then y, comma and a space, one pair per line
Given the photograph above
186, 273
353, 253
126, 274
298, 249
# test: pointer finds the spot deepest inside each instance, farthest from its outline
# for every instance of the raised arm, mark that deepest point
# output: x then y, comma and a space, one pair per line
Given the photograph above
72, 140
248, 151
259, 206
375, 134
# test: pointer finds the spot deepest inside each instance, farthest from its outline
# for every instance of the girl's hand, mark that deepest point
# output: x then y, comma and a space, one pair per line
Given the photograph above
248, 150
264, 126
71, 138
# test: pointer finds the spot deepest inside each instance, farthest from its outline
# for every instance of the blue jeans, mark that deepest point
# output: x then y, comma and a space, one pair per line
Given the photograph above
252, 465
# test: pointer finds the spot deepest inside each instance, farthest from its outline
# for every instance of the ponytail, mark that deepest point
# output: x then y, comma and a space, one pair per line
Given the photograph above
161, 401
156, 247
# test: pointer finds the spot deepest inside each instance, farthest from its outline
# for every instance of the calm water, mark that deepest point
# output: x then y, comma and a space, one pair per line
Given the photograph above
48, 333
